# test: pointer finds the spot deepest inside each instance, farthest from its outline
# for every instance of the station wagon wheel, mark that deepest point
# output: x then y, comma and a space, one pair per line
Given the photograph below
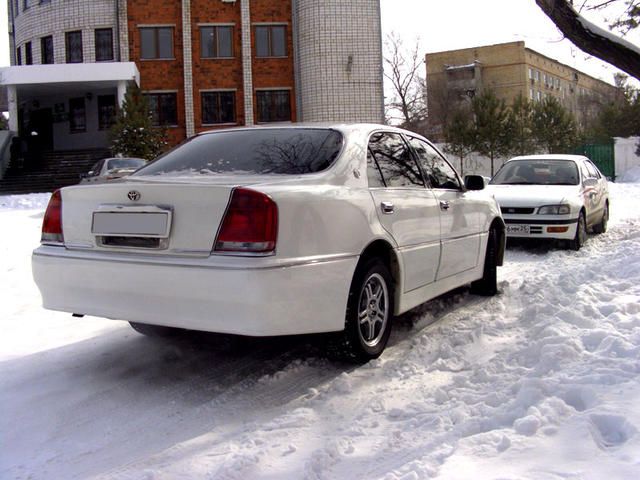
581, 234
602, 226
369, 313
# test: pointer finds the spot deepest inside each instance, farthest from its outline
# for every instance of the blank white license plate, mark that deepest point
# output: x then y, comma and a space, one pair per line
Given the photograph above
130, 224
519, 229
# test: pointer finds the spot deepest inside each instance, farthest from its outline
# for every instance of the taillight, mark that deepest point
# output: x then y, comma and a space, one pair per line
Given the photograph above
52, 223
250, 224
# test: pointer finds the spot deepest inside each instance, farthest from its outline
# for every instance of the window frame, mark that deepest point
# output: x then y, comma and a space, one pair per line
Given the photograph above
215, 48
68, 51
411, 154
425, 175
28, 53
218, 94
259, 112
72, 128
159, 114
156, 42
98, 31
270, 39
102, 125
44, 50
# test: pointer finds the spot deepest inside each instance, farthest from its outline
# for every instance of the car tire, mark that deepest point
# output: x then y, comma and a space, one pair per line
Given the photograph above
581, 234
602, 226
369, 314
154, 330
488, 284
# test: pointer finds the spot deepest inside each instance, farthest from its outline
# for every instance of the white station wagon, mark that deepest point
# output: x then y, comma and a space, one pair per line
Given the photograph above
552, 197
273, 231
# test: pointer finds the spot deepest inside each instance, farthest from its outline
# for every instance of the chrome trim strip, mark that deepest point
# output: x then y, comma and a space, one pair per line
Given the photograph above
180, 262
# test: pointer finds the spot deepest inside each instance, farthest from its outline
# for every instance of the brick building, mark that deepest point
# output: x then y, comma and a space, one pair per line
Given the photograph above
203, 64
509, 69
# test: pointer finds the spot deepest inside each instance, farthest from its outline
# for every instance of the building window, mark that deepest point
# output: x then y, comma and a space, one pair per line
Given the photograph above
271, 41
18, 56
162, 106
77, 115
16, 8
104, 44
274, 105
106, 111
216, 42
156, 43
218, 107
73, 42
25, 4
46, 50
28, 55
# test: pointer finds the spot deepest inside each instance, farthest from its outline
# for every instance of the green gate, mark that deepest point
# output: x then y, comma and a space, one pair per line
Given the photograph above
602, 155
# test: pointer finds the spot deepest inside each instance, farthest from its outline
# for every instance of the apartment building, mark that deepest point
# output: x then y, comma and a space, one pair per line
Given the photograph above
202, 64
509, 69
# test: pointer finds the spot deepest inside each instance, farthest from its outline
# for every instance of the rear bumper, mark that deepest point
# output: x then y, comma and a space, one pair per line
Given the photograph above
564, 228
299, 298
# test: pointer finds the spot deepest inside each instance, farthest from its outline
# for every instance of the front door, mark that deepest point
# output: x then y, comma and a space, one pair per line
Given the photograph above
459, 212
40, 129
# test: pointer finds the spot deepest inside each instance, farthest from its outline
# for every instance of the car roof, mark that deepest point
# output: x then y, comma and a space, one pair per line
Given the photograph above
550, 156
345, 128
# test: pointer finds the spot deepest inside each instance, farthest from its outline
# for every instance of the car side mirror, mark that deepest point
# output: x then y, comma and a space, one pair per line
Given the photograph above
474, 182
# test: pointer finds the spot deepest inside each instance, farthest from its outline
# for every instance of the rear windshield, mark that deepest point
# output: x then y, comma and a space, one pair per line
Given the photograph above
281, 151
537, 172
124, 163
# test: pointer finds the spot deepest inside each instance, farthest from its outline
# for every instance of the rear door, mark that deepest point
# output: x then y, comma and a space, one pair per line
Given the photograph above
405, 208
459, 211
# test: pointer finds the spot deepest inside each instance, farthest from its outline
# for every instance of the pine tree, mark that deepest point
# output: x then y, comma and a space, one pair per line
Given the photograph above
459, 135
493, 133
133, 134
521, 123
554, 127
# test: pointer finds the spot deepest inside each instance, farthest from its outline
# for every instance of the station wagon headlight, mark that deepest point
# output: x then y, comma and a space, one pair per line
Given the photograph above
554, 210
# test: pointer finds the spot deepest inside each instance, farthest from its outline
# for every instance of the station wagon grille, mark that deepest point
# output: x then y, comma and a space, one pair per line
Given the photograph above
518, 210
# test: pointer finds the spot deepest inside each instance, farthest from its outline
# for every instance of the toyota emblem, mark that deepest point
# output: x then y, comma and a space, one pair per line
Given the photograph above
134, 195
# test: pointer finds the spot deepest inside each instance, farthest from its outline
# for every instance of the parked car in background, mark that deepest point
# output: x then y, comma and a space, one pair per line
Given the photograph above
552, 197
112, 169
273, 231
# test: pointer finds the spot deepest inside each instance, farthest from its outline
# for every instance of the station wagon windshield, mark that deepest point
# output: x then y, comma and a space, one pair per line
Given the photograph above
282, 151
537, 172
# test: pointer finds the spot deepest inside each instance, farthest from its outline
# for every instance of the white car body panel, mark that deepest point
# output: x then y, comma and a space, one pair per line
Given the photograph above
326, 221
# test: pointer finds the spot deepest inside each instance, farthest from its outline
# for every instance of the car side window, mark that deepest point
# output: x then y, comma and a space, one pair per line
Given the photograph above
587, 172
593, 171
373, 172
96, 168
394, 161
434, 166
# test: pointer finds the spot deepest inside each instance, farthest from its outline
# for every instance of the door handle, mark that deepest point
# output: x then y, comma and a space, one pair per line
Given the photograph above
387, 208
444, 205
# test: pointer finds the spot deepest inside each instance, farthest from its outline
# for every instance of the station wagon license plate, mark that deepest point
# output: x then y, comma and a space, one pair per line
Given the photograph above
518, 229
131, 224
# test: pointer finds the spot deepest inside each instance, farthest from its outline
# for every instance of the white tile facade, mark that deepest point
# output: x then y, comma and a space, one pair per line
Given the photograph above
339, 60
60, 16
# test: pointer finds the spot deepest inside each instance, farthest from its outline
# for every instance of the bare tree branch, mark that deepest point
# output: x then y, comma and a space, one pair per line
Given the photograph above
591, 38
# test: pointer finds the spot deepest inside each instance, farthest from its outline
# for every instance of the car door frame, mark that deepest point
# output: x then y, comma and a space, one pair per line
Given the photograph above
419, 249
463, 247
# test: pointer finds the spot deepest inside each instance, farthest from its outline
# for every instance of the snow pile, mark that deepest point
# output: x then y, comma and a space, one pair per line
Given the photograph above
541, 381
24, 202
631, 176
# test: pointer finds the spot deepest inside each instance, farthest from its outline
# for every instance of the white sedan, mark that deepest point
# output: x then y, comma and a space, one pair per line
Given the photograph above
273, 231
553, 197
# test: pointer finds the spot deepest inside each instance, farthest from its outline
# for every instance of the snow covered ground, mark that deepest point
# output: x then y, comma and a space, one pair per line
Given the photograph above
540, 382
